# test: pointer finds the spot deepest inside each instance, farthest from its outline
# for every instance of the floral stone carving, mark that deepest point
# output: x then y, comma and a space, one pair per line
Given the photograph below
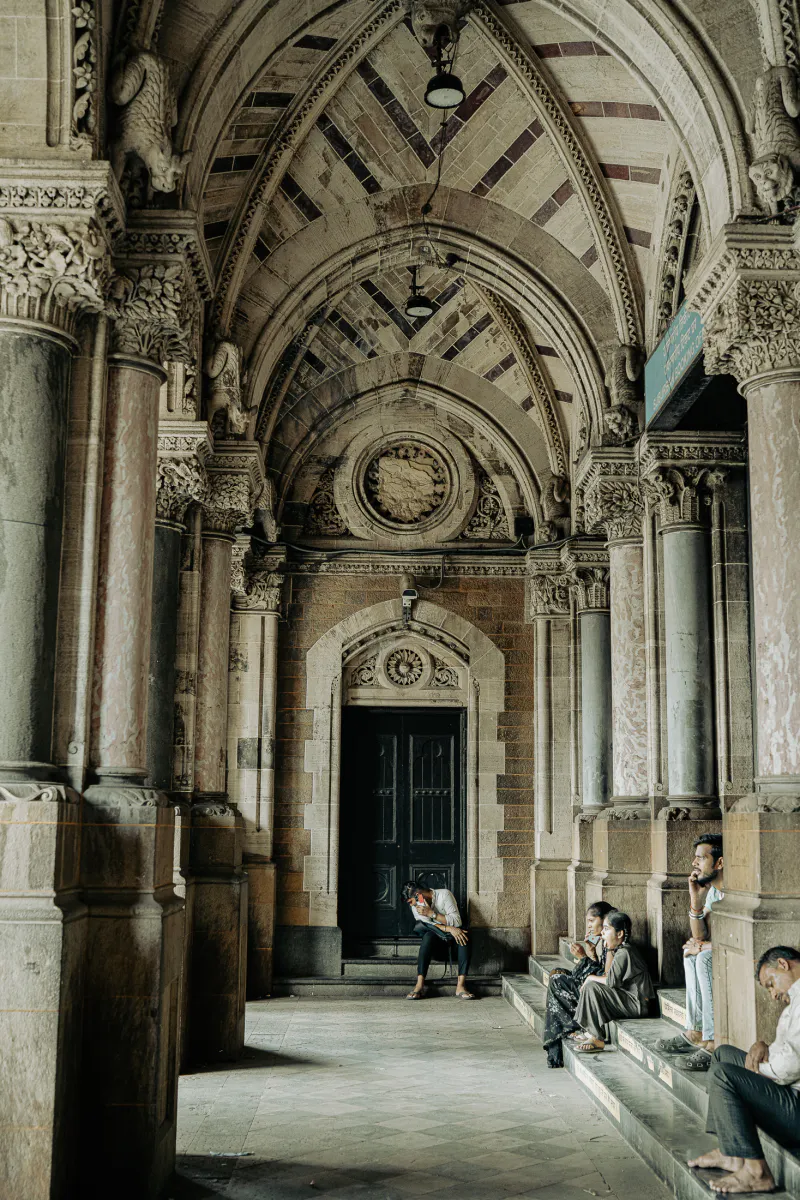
406, 483
323, 516
50, 265
364, 675
489, 522
404, 667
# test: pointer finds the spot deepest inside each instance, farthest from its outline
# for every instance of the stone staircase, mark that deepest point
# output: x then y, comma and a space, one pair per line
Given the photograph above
384, 968
659, 1109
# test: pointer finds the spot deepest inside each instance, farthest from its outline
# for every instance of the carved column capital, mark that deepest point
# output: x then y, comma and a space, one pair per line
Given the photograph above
163, 276
56, 232
236, 485
547, 584
257, 579
183, 449
612, 500
679, 474
749, 299
586, 564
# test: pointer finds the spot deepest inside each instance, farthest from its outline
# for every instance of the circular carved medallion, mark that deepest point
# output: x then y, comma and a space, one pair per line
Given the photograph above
404, 667
406, 483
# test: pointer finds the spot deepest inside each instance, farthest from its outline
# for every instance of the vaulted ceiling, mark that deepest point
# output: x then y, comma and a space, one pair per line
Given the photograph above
549, 191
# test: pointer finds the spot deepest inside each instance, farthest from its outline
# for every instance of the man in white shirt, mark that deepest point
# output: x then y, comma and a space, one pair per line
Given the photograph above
705, 890
437, 919
757, 1089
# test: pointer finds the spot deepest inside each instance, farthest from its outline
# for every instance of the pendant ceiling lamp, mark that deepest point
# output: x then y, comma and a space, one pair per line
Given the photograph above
444, 90
418, 305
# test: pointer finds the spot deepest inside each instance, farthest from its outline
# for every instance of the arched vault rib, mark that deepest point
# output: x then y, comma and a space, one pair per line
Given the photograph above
278, 153
597, 206
541, 391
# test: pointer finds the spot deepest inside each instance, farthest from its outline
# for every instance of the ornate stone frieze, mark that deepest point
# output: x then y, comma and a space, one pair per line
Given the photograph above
236, 482
323, 517
163, 275
749, 298
679, 477
444, 675
612, 500
675, 237
56, 234
489, 521
84, 75
142, 154
403, 664
364, 675
183, 450
46, 793
257, 580
504, 567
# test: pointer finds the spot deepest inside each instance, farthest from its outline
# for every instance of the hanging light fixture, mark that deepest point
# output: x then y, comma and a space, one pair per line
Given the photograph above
444, 90
418, 305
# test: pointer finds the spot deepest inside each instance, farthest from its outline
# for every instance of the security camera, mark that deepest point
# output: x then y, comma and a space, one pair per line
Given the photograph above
409, 596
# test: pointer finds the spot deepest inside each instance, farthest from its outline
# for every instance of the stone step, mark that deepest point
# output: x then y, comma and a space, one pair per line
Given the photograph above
398, 947
659, 1110
384, 968
370, 987
672, 1001
540, 966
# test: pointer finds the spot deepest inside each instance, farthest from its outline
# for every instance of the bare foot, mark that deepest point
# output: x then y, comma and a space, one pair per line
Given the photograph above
746, 1179
717, 1161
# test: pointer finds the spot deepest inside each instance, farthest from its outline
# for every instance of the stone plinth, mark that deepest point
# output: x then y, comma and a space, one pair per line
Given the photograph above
621, 856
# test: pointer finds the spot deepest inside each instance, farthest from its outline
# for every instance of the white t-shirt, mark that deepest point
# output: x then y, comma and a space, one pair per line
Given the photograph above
443, 903
784, 1053
713, 896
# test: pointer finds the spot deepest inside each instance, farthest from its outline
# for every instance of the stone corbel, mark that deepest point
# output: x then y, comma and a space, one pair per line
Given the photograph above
679, 476
163, 276
612, 498
236, 484
57, 228
748, 295
183, 450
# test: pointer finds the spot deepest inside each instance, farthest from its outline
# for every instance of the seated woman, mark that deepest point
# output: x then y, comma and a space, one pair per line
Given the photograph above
564, 987
624, 991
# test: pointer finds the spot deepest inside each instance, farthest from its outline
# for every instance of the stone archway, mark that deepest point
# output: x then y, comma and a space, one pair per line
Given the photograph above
482, 685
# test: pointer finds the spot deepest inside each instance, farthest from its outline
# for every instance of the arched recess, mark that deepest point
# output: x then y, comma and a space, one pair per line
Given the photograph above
451, 387
483, 668
485, 242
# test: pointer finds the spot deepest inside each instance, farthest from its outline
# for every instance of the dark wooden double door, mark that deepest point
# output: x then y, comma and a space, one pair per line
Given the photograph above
401, 815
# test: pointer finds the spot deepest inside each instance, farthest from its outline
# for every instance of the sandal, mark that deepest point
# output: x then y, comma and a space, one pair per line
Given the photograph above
588, 1047
417, 995
464, 996
700, 1061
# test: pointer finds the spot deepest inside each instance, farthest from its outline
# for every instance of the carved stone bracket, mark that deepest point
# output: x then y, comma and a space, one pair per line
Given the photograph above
749, 298
257, 579
548, 584
679, 476
236, 484
183, 450
612, 500
56, 233
163, 275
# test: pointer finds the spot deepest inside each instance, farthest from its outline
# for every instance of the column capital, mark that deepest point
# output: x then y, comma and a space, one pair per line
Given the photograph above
748, 295
586, 562
257, 579
237, 484
162, 277
608, 481
57, 227
680, 472
547, 583
183, 449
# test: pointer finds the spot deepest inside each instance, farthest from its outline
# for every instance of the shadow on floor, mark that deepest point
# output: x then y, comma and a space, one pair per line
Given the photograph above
201, 1177
254, 1056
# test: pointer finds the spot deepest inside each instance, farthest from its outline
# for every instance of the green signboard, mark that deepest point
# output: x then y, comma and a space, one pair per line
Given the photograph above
672, 360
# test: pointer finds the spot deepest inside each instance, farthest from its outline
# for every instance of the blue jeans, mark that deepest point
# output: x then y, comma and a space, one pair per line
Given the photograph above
699, 995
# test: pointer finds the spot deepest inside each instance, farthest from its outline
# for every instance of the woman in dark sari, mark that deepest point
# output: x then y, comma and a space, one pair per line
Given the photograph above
564, 988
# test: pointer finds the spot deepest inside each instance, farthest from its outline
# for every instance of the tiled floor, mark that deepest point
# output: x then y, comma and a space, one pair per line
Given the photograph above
386, 1100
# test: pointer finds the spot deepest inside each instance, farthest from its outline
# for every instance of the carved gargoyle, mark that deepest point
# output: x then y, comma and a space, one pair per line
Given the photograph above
227, 417
141, 88
776, 139
555, 509
437, 21
623, 370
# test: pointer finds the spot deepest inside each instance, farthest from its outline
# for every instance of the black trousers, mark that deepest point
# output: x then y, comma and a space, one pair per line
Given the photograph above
432, 940
739, 1100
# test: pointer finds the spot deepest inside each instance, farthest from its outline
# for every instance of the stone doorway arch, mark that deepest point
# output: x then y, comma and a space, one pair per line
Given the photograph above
475, 668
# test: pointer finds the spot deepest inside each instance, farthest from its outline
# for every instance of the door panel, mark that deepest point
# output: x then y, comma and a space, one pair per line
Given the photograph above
401, 814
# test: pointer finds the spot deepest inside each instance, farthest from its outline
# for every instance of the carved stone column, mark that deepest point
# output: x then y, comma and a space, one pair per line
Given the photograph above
219, 936
682, 475
549, 610
613, 504
56, 227
588, 565
257, 587
136, 920
749, 299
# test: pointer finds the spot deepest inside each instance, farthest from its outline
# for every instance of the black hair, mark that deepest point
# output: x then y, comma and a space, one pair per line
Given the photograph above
714, 840
600, 909
410, 889
771, 956
621, 922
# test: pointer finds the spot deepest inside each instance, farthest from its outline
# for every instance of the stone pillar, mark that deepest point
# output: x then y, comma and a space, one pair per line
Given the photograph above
747, 298
591, 603
549, 609
219, 933
56, 226
621, 834
129, 1084
252, 696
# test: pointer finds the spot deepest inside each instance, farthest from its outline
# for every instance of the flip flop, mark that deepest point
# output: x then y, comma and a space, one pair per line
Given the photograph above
588, 1048
417, 995
464, 996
